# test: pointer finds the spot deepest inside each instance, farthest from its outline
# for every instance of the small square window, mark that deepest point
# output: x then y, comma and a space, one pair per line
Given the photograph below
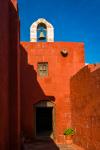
43, 68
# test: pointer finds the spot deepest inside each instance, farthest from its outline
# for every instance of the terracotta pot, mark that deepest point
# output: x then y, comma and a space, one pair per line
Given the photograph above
69, 139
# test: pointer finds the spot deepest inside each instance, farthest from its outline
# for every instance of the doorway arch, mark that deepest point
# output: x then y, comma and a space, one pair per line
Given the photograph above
44, 122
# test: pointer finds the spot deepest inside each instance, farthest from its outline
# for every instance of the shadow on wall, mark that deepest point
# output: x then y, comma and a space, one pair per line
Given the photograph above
85, 101
31, 93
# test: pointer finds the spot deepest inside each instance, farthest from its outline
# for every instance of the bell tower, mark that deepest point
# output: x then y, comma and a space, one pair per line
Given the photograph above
41, 31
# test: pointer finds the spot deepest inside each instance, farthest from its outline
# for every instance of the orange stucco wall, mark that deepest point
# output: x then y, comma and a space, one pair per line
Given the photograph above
85, 107
73, 88
55, 86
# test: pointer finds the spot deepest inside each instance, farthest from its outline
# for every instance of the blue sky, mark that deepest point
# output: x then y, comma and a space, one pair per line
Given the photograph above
73, 20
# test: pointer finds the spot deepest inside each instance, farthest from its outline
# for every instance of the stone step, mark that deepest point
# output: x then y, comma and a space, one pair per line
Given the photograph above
45, 144
49, 146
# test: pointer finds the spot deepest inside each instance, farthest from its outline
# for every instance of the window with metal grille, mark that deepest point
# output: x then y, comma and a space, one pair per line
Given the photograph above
43, 69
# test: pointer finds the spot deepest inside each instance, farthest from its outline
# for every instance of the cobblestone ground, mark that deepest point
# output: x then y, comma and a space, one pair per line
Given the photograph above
49, 145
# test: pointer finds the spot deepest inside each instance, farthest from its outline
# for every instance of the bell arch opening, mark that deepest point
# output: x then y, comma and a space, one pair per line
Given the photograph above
41, 32
48, 34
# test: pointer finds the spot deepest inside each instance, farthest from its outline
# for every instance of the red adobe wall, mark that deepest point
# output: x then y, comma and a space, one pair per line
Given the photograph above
55, 86
9, 100
85, 104
14, 77
4, 37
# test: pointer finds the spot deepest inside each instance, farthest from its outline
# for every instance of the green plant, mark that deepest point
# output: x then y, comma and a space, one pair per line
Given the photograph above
69, 131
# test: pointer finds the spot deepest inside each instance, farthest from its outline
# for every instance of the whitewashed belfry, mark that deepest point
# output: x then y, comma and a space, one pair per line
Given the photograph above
47, 33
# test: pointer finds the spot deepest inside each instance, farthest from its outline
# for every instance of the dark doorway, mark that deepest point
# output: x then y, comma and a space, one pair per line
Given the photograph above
44, 121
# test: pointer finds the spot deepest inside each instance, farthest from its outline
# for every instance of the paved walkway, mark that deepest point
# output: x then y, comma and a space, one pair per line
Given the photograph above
49, 145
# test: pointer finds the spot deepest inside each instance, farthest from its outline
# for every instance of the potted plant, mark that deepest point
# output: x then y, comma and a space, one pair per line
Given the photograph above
69, 135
